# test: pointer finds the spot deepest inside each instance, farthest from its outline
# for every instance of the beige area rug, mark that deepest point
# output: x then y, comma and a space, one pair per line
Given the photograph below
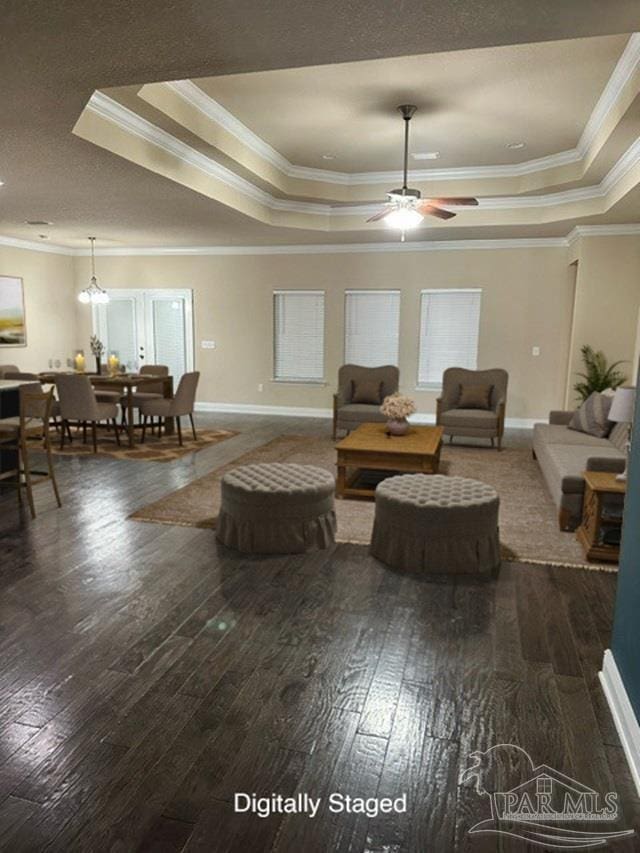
154, 449
528, 518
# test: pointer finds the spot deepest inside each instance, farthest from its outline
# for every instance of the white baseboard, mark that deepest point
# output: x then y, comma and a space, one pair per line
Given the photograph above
254, 409
308, 412
622, 713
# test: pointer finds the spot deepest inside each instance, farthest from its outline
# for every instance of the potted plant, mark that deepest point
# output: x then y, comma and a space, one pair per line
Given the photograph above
599, 375
397, 408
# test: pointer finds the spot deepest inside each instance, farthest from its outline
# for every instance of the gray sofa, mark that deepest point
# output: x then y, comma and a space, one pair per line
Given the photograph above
564, 454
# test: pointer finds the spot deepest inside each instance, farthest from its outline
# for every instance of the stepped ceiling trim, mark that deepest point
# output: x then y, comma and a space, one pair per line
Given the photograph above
232, 189
626, 67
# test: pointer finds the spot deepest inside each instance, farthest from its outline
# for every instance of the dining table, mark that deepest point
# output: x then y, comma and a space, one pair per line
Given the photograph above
127, 384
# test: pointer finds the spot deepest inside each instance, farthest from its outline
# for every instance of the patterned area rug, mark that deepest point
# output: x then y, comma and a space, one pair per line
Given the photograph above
528, 518
154, 449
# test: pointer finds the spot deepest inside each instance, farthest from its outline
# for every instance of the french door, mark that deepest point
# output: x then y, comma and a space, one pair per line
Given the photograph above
148, 327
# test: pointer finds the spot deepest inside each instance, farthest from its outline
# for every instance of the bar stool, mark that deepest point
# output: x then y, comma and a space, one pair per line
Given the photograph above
32, 423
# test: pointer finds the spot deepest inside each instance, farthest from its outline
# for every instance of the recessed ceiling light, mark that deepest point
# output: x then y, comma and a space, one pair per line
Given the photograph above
516, 146
37, 222
328, 156
426, 155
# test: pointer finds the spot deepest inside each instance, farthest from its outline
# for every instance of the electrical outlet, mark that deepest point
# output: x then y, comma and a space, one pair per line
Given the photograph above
535, 351
208, 344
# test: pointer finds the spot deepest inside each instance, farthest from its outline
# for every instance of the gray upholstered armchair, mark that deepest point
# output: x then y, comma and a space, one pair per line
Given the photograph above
354, 381
474, 419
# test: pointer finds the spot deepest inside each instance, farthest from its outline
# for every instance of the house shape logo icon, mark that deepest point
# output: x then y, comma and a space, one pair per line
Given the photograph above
544, 806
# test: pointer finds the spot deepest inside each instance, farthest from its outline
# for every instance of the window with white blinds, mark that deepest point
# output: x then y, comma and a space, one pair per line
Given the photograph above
372, 327
298, 325
449, 326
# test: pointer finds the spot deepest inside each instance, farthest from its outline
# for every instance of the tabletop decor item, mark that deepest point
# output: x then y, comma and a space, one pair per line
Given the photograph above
13, 329
397, 408
113, 363
97, 348
79, 361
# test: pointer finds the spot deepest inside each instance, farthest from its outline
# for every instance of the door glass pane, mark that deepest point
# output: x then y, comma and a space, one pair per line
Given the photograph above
169, 342
121, 330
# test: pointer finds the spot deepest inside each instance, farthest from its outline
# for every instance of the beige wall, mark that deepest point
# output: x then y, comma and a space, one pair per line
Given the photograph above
607, 300
49, 293
527, 301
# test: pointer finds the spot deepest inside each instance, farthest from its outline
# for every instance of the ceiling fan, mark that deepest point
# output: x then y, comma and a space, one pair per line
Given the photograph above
406, 208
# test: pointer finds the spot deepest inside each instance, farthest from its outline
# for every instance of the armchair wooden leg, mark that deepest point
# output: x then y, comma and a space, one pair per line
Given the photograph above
62, 434
179, 431
193, 426
499, 443
52, 473
492, 442
94, 436
84, 432
24, 453
117, 431
144, 428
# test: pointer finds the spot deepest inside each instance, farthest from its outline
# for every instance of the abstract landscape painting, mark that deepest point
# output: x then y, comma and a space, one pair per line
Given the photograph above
13, 327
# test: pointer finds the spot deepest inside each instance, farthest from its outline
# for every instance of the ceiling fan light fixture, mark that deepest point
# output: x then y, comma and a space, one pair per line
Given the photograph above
403, 218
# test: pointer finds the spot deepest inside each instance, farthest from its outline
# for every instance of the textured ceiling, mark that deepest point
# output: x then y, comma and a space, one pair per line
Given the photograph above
54, 55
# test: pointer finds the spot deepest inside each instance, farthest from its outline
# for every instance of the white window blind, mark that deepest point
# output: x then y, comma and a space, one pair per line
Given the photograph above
449, 325
372, 327
298, 335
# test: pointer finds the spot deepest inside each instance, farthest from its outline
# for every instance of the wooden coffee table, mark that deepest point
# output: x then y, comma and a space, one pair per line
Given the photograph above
369, 447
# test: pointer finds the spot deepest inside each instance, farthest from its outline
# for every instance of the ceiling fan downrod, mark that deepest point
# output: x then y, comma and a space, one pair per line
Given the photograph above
407, 111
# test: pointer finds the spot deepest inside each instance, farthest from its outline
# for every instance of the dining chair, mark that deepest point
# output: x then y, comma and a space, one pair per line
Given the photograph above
153, 391
183, 403
78, 403
8, 368
15, 434
21, 376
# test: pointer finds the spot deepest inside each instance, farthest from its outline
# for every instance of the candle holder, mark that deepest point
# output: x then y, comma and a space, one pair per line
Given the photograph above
79, 361
113, 363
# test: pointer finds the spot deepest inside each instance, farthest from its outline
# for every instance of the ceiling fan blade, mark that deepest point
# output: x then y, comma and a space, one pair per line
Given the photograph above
463, 201
379, 214
429, 209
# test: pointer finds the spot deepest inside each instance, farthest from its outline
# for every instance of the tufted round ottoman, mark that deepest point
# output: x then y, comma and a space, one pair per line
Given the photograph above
432, 523
277, 508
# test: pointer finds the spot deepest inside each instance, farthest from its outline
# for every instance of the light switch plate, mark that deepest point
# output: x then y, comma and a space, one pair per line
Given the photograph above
535, 351
208, 344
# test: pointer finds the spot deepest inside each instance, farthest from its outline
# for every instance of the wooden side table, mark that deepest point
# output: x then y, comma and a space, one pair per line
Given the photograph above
597, 516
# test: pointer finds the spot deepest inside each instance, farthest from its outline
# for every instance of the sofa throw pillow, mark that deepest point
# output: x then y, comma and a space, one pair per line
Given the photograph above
368, 391
475, 397
591, 417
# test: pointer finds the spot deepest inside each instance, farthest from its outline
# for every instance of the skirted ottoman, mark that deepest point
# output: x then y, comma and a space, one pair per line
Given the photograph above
437, 524
277, 508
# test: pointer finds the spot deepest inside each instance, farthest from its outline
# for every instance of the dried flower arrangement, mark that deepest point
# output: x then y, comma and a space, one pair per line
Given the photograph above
397, 407
97, 348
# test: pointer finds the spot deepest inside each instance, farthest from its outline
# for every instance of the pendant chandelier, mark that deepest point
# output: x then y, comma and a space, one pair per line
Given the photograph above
94, 294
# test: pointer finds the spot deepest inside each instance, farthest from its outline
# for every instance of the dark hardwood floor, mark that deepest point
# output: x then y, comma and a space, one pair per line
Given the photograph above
146, 676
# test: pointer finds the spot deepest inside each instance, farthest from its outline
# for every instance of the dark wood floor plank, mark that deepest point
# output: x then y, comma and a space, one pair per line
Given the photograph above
315, 673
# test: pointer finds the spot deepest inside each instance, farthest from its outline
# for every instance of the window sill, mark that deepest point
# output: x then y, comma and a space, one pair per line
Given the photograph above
434, 386
319, 382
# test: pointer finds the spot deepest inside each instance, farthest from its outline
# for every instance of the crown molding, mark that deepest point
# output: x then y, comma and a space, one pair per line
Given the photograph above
629, 230
337, 248
129, 121
624, 69
123, 117
585, 231
32, 246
